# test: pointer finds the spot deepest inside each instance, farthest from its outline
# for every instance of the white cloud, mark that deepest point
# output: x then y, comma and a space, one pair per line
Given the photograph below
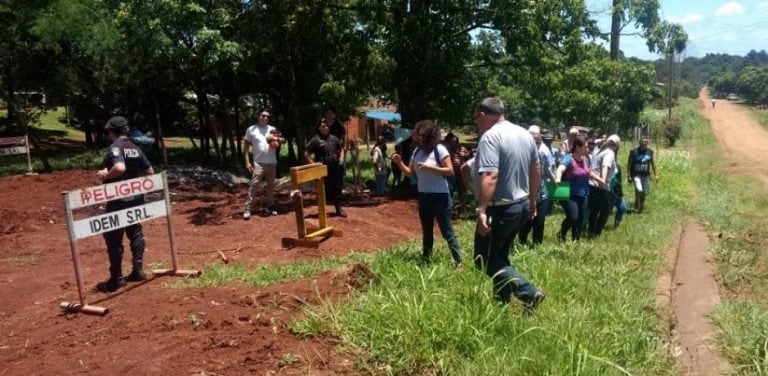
686, 19
729, 9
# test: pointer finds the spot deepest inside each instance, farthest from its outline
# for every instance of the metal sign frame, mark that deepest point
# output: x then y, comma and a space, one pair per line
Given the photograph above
86, 227
15, 146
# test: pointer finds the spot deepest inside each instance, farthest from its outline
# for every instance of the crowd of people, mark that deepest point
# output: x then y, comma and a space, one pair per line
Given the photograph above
509, 174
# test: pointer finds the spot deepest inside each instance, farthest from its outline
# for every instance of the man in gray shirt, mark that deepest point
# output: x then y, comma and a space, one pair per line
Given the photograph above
509, 173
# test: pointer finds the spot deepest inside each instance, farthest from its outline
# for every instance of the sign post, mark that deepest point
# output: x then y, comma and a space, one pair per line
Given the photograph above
17, 145
86, 227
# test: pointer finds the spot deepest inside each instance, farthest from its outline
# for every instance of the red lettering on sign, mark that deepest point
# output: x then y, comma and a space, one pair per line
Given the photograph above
104, 193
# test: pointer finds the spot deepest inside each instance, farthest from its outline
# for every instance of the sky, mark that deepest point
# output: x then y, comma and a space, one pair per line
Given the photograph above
714, 26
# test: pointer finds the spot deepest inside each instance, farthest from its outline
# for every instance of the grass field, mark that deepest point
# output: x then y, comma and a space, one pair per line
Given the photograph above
761, 115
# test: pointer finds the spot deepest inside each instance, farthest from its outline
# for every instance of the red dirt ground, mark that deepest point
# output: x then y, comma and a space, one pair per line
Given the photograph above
151, 328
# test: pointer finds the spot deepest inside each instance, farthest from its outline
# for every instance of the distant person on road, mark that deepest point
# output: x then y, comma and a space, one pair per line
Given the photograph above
264, 140
508, 171
123, 161
329, 150
641, 162
431, 162
713, 102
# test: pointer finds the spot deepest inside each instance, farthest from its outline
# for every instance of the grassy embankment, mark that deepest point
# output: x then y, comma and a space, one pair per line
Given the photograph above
601, 315
735, 206
761, 115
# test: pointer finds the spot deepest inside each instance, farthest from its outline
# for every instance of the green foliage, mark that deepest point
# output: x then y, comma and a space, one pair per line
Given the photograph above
744, 334
643, 13
672, 131
752, 84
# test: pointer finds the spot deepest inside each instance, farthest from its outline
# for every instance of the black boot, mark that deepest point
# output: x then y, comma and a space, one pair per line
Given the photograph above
111, 285
137, 275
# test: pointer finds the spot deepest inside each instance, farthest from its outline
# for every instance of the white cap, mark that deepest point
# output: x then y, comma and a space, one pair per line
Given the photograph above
573, 131
534, 129
615, 139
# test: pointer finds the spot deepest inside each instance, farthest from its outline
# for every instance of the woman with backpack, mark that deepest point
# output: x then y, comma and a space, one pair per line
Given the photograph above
575, 168
431, 163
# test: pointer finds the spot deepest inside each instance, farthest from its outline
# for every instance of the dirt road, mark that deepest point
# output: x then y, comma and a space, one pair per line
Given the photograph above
743, 140
694, 288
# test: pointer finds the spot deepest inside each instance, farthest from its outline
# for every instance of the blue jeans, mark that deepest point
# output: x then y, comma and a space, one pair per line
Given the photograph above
536, 224
574, 217
601, 203
437, 206
381, 184
621, 208
492, 252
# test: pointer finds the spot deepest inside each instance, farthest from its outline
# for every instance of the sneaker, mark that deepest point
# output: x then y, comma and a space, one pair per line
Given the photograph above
341, 213
247, 215
269, 211
111, 285
534, 303
136, 276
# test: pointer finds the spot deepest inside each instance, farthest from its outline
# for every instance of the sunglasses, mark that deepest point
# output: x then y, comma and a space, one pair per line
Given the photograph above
264, 116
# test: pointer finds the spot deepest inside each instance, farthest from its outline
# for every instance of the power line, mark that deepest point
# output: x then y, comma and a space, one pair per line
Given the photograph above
729, 30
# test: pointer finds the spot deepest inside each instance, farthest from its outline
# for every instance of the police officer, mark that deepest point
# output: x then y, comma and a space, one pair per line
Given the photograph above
123, 161
329, 150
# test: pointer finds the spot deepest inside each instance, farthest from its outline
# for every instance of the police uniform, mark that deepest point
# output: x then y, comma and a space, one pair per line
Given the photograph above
136, 163
327, 149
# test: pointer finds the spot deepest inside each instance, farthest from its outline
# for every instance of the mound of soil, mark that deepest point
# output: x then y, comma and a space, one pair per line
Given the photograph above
155, 329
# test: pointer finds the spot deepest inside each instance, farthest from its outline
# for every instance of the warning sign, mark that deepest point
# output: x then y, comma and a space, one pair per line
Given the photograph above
122, 189
13, 150
119, 219
21, 140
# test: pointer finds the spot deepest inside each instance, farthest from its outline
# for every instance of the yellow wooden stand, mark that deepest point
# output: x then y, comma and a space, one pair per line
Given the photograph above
299, 175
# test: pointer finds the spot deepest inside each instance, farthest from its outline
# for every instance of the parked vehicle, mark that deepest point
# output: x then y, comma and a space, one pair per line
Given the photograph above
732, 97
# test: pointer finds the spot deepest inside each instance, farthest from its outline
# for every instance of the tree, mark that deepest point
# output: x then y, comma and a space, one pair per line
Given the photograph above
643, 13
23, 61
669, 39
752, 84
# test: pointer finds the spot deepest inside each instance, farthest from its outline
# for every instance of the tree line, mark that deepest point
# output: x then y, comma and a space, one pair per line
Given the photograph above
203, 67
746, 76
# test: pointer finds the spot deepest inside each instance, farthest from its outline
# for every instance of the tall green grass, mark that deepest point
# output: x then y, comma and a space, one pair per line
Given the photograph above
600, 317
761, 115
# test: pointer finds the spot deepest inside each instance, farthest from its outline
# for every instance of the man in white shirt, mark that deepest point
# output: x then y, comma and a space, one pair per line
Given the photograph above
264, 139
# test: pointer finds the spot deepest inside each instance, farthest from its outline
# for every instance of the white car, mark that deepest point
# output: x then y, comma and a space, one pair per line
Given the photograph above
732, 97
